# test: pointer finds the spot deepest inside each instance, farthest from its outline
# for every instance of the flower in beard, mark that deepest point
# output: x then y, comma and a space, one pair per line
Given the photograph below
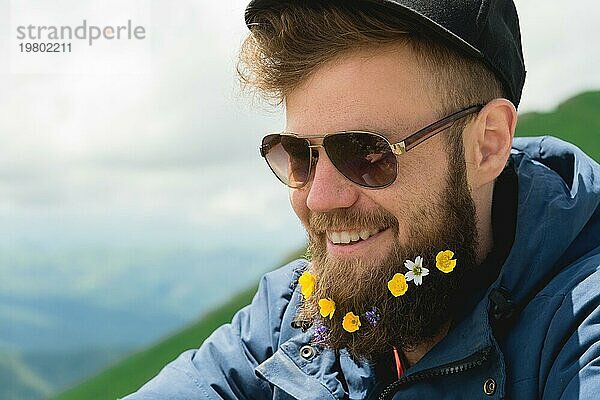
397, 285
444, 262
307, 283
351, 322
416, 270
321, 334
326, 308
373, 316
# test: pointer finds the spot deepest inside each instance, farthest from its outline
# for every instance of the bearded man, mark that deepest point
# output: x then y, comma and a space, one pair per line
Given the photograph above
447, 260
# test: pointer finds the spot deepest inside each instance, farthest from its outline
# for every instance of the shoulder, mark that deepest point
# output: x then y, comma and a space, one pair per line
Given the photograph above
572, 302
570, 348
283, 280
224, 366
277, 298
277, 287
578, 280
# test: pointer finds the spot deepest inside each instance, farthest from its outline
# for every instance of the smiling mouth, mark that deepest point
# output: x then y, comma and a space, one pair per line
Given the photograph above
350, 237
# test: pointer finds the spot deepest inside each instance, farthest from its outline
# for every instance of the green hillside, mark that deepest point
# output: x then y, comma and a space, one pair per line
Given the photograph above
576, 120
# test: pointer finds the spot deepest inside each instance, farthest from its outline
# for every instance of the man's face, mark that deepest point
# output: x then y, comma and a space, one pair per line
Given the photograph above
375, 91
427, 209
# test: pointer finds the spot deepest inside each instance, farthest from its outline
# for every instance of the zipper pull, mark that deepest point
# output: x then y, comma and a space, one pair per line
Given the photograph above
399, 366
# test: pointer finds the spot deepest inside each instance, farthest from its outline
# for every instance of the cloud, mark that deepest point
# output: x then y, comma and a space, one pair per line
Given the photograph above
177, 143
561, 55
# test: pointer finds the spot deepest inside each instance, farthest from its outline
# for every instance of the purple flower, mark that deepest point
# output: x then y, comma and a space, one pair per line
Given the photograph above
321, 334
373, 316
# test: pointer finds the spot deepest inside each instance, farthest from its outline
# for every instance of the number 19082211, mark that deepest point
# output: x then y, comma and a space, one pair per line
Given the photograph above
45, 47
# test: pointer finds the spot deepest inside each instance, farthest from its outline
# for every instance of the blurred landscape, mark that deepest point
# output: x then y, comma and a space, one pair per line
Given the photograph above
65, 314
575, 120
58, 337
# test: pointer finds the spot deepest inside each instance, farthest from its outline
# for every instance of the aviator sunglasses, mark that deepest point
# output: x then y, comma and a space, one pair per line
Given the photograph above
366, 158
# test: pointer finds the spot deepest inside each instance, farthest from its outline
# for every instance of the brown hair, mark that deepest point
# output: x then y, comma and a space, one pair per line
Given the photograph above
291, 40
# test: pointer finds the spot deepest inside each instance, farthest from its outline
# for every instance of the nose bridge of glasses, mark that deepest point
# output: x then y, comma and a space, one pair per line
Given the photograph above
313, 140
314, 147
398, 148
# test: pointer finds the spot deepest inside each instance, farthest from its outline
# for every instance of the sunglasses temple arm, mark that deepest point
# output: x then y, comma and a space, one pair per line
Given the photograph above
438, 127
419, 137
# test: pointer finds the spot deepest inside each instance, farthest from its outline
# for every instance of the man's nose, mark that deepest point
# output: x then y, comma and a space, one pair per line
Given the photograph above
329, 189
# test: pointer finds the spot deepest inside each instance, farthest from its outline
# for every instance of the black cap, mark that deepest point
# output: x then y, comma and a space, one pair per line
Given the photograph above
483, 29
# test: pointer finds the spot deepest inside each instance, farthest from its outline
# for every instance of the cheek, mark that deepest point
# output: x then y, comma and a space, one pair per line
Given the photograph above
399, 203
416, 198
298, 202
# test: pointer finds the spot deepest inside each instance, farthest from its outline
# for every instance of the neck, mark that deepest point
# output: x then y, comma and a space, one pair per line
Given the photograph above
483, 206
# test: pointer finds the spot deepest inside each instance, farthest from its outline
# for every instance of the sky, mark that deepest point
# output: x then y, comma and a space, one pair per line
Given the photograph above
152, 142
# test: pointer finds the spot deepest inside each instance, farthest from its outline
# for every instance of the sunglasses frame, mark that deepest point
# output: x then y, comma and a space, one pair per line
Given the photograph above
397, 149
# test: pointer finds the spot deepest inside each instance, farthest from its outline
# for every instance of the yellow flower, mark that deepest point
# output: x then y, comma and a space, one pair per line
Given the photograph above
398, 285
307, 283
351, 322
327, 307
443, 261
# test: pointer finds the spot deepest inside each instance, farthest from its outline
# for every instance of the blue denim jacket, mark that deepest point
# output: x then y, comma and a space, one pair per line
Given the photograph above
549, 348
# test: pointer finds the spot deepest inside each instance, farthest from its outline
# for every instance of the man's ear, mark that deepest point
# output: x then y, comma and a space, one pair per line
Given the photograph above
488, 140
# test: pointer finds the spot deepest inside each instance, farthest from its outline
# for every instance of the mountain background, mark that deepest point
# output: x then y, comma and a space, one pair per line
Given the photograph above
94, 305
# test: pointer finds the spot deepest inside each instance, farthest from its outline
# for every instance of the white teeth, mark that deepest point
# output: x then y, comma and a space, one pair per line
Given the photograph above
335, 237
346, 237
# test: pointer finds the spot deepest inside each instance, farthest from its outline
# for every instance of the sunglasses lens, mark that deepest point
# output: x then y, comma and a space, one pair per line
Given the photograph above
288, 157
364, 158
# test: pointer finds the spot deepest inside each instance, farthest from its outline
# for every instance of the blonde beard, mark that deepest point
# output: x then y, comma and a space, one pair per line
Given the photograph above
357, 285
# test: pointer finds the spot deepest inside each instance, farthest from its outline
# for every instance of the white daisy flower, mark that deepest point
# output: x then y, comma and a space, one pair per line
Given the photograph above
416, 270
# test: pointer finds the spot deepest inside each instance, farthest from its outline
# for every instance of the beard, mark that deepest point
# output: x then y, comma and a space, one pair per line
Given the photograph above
446, 222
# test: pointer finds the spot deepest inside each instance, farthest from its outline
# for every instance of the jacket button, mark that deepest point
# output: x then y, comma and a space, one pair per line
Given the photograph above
307, 352
489, 387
